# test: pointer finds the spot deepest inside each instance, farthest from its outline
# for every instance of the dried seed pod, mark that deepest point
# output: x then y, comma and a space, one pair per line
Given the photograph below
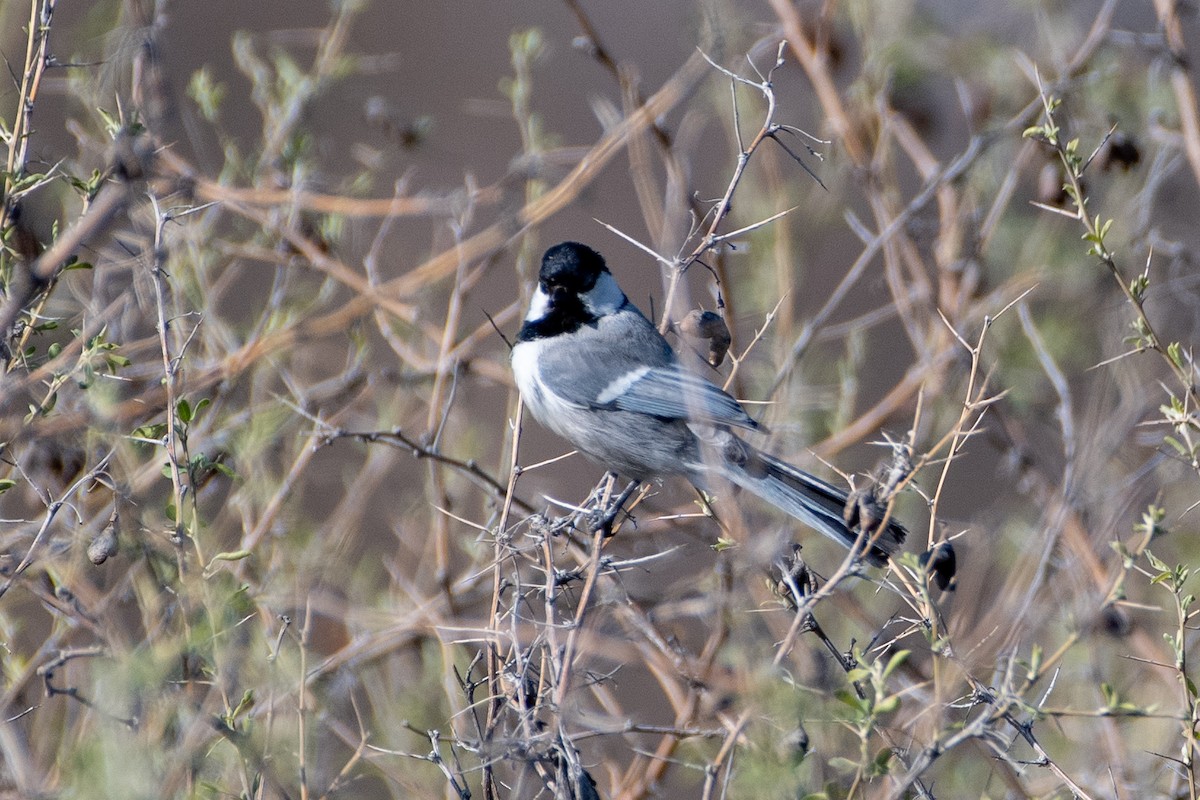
708, 333
1050, 189
105, 545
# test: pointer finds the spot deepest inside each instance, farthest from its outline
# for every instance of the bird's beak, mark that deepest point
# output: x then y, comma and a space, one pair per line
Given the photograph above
556, 294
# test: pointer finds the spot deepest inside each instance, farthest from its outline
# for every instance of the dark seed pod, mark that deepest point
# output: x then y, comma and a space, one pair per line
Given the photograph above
1120, 151
940, 563
708, 333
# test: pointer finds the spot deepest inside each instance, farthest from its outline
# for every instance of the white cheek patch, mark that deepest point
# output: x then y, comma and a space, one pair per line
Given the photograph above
539, 305
621, 385
605, 297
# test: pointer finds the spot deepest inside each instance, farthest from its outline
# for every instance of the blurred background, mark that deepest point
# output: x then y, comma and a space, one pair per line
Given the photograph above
272, 523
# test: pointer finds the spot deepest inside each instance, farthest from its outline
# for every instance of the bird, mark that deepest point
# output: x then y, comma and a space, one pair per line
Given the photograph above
594, 370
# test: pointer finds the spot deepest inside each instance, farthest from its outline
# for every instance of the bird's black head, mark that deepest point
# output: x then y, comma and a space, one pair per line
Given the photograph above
564, 299
572, 267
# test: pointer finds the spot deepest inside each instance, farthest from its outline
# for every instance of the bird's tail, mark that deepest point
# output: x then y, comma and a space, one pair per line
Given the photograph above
812, 501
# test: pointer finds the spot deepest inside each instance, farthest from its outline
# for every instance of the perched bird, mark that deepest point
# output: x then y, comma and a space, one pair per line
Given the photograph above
594, 370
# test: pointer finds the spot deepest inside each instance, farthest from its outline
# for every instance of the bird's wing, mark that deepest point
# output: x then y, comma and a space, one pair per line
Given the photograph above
672, 392
633, 370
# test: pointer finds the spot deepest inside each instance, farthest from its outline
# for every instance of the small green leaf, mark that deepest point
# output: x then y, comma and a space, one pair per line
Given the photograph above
896, 660
244, 705
207, 93
853, 700
235, 555
153, 432
1035, 658
887, 705
1178, 445
842, 764
1176, 354
1139, 285
6, 484
1111, 698
183, 410
879, 765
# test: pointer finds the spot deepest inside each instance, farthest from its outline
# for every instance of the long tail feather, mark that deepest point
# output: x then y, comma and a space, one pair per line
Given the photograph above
812, 501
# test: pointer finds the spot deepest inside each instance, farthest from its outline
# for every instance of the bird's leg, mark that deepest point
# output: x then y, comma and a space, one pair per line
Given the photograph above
605, 523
